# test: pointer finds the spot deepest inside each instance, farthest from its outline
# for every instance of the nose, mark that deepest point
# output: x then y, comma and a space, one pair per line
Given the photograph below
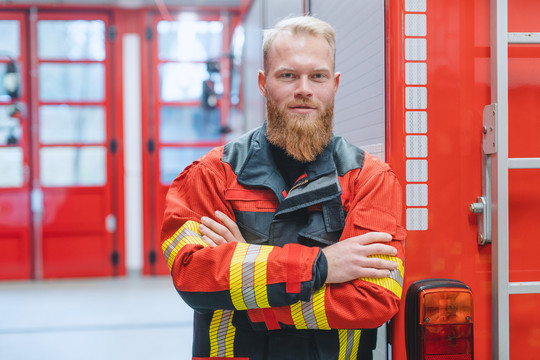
303, 89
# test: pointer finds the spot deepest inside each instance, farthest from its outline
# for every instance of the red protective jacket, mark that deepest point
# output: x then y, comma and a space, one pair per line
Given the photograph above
267, 299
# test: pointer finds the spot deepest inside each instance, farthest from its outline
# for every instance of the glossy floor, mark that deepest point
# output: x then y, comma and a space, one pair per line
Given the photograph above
117, 318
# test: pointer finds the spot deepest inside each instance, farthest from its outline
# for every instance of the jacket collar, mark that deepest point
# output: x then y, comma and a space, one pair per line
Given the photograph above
259, 167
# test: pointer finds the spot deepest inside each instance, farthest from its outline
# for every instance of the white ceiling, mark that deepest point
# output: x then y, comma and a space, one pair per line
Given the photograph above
130, 3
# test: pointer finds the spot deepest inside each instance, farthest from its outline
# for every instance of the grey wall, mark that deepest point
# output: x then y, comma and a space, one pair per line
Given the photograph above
263, 14
275, 10
253, 100
360, 102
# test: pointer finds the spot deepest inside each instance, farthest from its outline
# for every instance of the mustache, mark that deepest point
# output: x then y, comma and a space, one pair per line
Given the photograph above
303, 102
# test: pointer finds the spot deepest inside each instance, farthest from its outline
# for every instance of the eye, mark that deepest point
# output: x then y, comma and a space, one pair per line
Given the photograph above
319, 76
287, 76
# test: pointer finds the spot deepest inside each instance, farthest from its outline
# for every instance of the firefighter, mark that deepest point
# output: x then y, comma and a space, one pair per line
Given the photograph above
287, 242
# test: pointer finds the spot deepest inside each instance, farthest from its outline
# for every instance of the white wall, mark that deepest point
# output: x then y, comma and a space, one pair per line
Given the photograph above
131, 68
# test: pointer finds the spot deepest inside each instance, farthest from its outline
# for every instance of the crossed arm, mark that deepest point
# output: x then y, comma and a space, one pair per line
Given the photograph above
347, 259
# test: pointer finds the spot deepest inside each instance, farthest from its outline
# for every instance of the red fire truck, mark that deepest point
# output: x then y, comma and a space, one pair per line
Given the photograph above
463, 120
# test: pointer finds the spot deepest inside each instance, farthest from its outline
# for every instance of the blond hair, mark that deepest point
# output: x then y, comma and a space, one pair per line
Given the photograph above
299, 25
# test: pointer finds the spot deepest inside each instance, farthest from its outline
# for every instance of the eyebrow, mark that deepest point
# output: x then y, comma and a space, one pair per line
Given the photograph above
285, 68
322, 68
288, 68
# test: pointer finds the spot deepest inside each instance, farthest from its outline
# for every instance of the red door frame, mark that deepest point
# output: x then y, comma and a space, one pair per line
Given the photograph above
15, 215
154, 192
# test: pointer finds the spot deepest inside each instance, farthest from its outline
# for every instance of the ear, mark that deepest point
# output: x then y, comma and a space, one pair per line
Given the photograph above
336, 82
262, 83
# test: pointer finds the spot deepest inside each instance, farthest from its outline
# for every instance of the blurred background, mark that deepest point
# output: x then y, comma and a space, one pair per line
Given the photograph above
102, 104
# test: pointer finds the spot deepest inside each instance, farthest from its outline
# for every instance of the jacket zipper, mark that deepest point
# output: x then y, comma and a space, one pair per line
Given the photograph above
298, 184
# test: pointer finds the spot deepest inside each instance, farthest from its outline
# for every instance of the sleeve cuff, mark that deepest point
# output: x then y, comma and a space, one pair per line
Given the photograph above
320, 271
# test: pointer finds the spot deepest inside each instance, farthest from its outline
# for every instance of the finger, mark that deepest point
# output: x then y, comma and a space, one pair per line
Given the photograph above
211, 235
373, 237
379, 249
375, 273
377, 263
230, 224
218, 229
207, 240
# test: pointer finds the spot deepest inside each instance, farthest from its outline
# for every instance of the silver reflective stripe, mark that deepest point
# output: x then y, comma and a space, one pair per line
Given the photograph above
222, 333
248, 277
350, 343
396, 275
177, 239
309, 315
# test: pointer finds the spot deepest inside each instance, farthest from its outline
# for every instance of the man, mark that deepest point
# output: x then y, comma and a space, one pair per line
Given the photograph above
288, 241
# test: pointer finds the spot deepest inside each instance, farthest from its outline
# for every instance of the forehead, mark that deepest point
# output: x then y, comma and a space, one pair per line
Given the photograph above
291, 50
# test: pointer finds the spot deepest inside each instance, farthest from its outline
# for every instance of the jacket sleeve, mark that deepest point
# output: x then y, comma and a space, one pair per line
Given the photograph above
375, 205
232, 276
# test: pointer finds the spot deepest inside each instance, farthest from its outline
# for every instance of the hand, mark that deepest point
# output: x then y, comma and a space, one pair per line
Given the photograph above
349, 259
214, 233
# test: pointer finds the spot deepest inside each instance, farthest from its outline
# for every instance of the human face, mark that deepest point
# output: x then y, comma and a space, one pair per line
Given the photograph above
299, 87
300, 77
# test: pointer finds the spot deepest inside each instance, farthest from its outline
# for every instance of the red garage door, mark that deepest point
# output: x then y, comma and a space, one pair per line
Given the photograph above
71, 169
190, 82
15, 215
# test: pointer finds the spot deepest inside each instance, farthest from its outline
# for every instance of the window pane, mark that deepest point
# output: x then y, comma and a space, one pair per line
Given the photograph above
71, 166
72, 40
179, 124
75, 82
63, 124
4, 97
10, 40
189, 40
10, 128
173, 160
11, 167
184, 82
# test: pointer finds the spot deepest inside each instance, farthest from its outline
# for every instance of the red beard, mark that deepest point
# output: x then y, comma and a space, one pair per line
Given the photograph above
302, 137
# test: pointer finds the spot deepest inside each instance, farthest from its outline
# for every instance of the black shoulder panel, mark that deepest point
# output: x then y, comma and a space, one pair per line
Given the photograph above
347, 157
235, 152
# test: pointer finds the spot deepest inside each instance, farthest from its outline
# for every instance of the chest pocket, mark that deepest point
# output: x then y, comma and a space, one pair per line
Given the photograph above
324, 224
254, 210
315, 232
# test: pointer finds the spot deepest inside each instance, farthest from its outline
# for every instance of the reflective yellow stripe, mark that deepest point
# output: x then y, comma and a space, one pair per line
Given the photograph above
261, 262
349, 342
298, 317
248, 273
187, 234
318, 308
356, 343
342, 344
214, 327
394, 283
236, 276
222, 333
311, 314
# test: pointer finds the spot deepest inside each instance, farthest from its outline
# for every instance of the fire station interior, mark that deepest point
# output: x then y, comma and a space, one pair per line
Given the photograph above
102, 104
